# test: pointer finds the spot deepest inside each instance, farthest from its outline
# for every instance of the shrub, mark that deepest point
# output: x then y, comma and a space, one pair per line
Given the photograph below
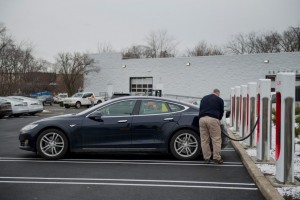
297, 126
273, 116
297, 111
297, 120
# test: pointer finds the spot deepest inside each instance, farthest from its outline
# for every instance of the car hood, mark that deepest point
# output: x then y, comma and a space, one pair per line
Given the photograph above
59, 117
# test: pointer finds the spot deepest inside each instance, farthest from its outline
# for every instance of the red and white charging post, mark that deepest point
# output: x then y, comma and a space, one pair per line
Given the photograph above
237, 91
263, 126
243, 110
251, 113
232, 108
285, 127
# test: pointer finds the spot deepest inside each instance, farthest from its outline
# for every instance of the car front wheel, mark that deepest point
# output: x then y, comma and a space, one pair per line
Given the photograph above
52, 144
185, 145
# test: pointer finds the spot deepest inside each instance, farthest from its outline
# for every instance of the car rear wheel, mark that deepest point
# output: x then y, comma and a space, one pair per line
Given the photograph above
52, 144
185, 145
78, 105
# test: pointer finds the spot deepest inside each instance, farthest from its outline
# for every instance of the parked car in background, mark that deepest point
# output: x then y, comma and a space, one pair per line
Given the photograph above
5, 108
46, 99
119, 94
227, 107
34, 105
18, 107
125, 124
82, 99
60, 97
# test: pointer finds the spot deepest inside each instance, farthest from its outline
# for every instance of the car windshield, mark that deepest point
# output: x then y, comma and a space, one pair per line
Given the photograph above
78, 95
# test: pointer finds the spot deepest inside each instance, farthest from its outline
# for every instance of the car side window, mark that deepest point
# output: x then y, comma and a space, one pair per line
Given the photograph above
122, 108
153, 107
87, 95
175, 108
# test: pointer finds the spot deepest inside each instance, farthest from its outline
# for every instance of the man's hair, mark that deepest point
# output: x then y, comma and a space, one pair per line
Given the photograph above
217, 91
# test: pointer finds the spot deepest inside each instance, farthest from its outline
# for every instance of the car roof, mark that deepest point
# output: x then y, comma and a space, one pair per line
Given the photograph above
155, 98
23, 97
10, 99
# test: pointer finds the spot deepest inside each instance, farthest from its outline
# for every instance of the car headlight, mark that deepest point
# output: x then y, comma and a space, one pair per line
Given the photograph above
29, 127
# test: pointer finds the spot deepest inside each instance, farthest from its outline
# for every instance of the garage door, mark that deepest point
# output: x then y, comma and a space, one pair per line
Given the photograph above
138, 85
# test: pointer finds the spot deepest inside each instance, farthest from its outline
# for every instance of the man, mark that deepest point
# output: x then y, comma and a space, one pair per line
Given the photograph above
210, 113
92, 100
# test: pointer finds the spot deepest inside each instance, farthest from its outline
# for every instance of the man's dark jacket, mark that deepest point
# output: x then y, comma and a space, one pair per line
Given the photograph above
211, 105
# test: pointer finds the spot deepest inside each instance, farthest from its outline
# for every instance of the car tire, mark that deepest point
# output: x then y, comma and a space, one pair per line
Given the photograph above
98, 102
185, 145
52, 144
77, 105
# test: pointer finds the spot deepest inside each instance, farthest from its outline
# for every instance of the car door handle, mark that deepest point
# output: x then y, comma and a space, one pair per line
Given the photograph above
169, 119
122, 121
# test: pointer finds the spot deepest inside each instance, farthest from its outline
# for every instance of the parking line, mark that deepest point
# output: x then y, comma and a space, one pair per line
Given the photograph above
126, 162
129, 182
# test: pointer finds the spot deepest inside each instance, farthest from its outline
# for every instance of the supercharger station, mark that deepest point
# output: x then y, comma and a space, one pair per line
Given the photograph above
285, 127
251, 113
237, 91
263, 126
232, 108
243, 111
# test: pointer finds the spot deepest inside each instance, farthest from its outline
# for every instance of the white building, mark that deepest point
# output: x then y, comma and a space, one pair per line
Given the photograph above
187, 76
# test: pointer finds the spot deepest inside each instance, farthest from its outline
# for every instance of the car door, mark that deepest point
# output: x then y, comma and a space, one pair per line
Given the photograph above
85, 99
109, 126
150, 128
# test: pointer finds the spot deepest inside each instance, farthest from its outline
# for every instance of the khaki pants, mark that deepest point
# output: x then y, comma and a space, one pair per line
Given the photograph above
210, 129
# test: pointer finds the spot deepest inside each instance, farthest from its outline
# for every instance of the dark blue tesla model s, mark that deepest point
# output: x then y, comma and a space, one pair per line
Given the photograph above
126, 124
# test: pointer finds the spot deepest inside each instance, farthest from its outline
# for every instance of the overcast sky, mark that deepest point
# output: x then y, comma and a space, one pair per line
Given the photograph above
53, 26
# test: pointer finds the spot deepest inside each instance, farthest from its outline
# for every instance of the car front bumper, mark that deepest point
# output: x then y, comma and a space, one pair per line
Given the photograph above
27, 142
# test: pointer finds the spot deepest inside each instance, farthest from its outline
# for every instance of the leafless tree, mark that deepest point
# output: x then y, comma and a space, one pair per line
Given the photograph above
10, 55
161, 44
291, 39
73, 67
105, 47
202, 49
271, 42
136, 51
239, 45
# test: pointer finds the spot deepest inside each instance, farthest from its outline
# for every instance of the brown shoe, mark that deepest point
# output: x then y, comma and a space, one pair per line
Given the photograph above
218, 161
208, 161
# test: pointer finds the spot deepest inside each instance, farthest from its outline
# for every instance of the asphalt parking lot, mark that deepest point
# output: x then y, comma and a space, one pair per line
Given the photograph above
24, 175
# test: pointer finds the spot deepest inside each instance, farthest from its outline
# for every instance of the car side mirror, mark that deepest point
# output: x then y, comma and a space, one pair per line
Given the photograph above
97, 116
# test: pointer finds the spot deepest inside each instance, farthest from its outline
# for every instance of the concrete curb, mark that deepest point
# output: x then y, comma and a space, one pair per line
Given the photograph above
264, 185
